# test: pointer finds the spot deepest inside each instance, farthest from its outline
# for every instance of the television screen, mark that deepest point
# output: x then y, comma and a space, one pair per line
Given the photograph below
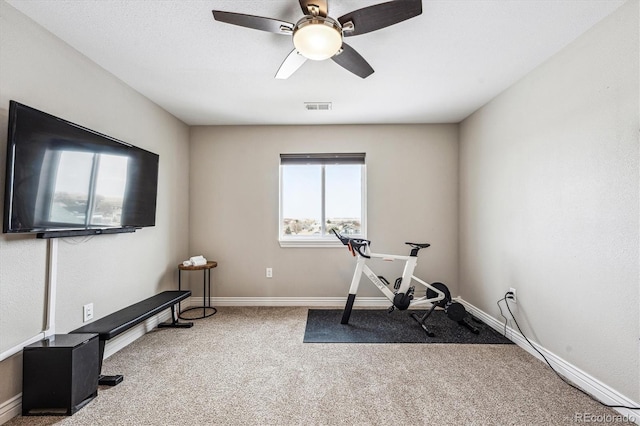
62, 177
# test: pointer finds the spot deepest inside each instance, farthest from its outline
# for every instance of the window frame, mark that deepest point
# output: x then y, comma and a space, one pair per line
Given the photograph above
327, 240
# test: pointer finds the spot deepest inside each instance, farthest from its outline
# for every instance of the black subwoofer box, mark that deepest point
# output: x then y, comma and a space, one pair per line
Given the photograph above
60, 374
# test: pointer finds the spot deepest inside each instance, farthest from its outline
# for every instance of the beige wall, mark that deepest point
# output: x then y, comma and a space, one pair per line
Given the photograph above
549, 200
545, 182
112, 271
412, 196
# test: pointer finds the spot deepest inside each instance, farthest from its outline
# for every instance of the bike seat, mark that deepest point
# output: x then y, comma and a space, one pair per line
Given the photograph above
419, 245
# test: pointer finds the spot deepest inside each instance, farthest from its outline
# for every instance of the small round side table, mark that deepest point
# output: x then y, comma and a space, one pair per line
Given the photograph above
207, 309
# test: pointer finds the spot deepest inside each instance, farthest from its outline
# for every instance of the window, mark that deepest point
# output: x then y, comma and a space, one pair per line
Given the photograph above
318, 193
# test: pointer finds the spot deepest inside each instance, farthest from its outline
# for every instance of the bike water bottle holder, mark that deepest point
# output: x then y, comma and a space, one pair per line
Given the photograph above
398, 283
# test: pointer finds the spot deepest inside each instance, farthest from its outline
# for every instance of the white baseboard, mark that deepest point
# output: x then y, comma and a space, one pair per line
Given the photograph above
600, 391
11, 408
292, 301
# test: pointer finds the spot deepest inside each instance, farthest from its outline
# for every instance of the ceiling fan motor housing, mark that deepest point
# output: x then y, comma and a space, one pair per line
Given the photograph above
317, 37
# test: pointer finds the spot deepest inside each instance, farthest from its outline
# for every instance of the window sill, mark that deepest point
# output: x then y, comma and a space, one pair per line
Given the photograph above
309, 242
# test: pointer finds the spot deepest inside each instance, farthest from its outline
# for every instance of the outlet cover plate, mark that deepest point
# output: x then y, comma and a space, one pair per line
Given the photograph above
87, 312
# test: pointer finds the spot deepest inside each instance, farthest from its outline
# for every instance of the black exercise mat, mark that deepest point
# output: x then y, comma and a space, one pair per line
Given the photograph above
379, 326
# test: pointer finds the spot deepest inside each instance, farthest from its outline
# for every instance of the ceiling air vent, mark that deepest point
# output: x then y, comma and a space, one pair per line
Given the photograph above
317, 106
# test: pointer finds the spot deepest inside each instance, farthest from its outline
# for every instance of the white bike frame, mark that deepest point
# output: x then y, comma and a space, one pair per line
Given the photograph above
407, 279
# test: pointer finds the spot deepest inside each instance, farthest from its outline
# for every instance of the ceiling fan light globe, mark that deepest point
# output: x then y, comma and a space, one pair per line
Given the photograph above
317, 40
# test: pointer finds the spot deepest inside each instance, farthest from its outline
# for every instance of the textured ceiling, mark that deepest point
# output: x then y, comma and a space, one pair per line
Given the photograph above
436, 68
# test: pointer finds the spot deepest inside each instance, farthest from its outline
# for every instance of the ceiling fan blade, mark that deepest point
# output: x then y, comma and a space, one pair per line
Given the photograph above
379, 16
290, 65
321, 5
255, 22
351, 60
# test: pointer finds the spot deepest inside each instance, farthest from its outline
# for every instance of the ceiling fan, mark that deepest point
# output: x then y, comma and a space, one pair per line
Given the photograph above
318, 37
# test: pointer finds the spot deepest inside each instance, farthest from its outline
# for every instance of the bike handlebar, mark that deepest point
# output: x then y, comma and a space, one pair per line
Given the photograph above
354, 244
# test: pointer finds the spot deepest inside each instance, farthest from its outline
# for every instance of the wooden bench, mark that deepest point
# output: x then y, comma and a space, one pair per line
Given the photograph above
118, 322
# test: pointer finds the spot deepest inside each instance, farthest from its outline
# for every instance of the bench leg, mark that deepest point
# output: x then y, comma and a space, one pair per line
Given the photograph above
174, 321
107, 380
110, 380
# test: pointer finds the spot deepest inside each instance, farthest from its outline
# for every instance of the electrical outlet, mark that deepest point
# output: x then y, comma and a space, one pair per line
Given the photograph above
512, 296
87, 312
269, 272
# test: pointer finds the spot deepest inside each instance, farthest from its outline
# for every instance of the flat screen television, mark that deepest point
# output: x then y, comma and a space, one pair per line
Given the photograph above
63, 179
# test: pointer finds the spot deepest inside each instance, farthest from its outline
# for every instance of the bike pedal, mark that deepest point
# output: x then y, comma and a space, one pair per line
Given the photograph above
391, 309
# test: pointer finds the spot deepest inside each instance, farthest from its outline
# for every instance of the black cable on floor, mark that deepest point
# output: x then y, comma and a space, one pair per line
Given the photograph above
505, 298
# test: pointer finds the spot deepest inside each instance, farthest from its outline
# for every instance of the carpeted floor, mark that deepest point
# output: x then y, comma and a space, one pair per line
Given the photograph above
249, 366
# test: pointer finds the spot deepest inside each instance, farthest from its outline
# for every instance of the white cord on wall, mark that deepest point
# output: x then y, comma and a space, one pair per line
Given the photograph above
52, 276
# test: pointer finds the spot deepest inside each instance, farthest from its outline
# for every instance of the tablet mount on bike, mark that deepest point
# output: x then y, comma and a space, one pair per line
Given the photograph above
403, 295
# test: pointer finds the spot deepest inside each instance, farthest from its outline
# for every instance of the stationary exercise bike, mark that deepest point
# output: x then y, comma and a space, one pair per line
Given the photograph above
402, 297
